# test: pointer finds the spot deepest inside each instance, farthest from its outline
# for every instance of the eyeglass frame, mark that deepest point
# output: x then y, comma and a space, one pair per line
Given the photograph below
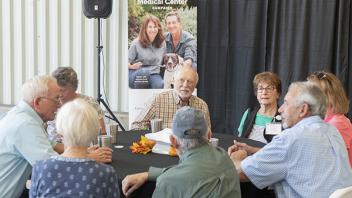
268, 89
57, 101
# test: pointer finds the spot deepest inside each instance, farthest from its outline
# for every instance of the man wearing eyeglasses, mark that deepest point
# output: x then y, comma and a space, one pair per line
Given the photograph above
23, 139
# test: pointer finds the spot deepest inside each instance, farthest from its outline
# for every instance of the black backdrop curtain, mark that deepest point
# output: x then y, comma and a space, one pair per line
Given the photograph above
240, 38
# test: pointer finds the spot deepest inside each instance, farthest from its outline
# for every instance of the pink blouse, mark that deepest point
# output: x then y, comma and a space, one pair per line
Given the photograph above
344, 126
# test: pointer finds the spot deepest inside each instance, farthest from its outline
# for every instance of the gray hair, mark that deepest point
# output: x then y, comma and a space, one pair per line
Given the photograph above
311, 95
188, 144
77, 121
37, 86
66, 76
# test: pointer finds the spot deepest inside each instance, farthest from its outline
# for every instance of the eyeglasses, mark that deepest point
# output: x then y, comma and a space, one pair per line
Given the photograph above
55, 100
268, 89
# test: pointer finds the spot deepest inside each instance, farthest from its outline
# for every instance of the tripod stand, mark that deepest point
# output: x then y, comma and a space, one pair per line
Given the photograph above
99, 98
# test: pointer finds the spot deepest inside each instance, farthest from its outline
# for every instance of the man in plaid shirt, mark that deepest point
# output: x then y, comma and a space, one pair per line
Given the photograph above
165, 104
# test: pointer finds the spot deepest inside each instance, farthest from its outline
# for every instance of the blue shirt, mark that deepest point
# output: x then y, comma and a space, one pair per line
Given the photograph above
23, 141
73, 177
307, 160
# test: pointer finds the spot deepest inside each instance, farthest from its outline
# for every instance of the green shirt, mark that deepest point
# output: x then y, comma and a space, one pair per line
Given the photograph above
260, 120
205, 171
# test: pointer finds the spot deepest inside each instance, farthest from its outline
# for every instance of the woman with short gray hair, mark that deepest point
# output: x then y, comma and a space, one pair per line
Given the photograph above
68, 82
73, 174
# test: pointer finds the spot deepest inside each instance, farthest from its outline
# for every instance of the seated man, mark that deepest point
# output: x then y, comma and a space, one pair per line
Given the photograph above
209, 171
308, 159
23, 139
165, 104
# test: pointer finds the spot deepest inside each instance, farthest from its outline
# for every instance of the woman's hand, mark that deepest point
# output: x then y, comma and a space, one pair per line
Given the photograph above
136, 65
100, 154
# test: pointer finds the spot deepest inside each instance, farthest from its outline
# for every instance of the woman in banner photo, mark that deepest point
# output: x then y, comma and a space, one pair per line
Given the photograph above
145, 55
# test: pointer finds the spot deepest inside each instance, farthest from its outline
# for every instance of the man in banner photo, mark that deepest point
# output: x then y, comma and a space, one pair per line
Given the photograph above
159, 46
146, 82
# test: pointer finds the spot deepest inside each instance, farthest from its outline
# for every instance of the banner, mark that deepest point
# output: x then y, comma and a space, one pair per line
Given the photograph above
162, 38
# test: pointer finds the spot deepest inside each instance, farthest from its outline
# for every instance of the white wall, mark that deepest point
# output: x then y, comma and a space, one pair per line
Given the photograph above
36, 36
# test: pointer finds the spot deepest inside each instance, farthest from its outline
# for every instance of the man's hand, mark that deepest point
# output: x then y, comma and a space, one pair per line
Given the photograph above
132, 182
187, 63
100, 154
242, 146
238, 155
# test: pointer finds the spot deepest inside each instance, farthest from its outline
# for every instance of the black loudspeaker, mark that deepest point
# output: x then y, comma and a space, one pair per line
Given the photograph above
97, 8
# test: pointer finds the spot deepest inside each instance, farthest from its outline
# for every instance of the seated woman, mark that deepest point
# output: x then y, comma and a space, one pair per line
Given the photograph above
253, 125
68, 82
146, 53
267, 89
338, 105
73, 174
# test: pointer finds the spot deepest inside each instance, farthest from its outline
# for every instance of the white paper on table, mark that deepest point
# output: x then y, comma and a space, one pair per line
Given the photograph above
161, 148
161, 136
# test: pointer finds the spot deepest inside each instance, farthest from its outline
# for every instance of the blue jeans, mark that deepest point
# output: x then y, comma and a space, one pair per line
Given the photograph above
153, 81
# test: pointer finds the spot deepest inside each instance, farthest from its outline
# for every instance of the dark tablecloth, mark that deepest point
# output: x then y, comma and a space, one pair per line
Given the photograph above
125, 162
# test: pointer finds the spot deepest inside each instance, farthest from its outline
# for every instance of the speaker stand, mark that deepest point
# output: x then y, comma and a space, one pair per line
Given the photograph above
99, 98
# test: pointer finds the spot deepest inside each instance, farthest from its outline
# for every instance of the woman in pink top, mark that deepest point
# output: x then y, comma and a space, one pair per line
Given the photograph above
338, 105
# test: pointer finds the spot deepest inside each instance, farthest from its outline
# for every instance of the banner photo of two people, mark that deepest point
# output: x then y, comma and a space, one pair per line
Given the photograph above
162, 38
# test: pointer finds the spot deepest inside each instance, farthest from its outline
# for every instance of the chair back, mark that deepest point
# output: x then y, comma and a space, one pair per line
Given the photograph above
342, 193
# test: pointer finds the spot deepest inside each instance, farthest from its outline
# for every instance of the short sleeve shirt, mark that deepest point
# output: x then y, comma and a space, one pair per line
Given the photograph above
307, 160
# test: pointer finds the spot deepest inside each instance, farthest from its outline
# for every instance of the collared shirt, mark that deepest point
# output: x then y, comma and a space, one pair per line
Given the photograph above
205, 171
186, 48
344, 126
307, 160
164, 106
23, 142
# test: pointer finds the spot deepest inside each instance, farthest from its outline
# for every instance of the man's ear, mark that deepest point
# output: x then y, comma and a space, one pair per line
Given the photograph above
304, 110
35, 103
173, 141
209, 134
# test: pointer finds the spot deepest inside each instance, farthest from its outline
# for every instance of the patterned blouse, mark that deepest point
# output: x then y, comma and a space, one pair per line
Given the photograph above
73, 177
51, 128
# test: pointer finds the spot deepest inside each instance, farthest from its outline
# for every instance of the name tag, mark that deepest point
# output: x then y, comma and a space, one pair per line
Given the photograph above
273, 128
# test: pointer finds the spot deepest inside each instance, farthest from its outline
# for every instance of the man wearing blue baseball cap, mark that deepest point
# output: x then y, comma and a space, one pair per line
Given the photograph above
209, 171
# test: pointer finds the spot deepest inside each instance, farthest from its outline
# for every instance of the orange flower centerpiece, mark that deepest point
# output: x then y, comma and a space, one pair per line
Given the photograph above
144, 146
